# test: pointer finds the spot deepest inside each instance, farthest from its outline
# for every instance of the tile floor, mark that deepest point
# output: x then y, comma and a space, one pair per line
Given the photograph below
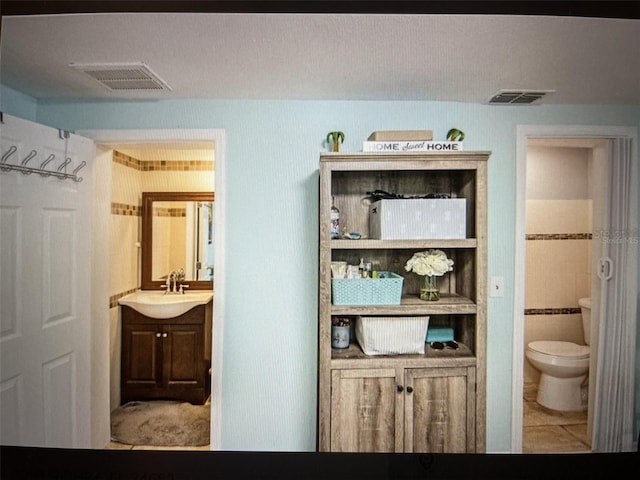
549, 431
544, 430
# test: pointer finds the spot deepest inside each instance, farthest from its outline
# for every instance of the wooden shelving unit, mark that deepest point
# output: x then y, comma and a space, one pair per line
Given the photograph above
433, 402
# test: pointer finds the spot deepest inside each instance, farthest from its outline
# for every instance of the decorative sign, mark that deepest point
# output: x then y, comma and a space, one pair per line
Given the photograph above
415, 146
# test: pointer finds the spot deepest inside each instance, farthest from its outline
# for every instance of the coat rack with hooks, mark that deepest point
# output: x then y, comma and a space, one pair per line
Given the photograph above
27, 170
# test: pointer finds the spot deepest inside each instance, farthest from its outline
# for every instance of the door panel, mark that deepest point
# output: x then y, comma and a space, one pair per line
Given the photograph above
436, 411
141, 355
366, 410
59, 383
59, 232
45, 289
183, 355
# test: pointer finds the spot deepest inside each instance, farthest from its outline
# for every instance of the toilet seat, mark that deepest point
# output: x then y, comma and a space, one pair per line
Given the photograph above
560, 349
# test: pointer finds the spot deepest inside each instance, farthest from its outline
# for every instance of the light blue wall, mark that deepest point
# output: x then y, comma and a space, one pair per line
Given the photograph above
270, 336
18, 104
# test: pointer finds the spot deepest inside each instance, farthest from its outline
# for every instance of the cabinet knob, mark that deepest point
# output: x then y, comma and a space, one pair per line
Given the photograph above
409, 389
158, 334
400, 388
165, 335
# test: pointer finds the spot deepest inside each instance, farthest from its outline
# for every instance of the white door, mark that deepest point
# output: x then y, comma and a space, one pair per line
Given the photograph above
45, 288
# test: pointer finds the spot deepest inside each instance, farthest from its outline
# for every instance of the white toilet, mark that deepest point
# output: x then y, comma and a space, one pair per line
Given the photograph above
564, 367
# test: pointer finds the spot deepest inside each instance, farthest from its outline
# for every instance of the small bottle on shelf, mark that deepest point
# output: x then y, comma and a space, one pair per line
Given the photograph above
335, 219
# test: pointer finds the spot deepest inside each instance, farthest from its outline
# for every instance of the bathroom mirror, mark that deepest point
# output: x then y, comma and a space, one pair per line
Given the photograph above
177, 232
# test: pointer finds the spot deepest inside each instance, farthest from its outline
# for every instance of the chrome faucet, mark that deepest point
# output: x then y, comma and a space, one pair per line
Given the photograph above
180, 278
177, 278
171, 276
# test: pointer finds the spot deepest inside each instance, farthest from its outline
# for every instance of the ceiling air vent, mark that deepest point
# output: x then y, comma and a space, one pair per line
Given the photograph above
123, 76
519, 97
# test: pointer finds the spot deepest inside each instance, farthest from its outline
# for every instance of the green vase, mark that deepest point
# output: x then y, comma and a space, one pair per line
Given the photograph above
429, 291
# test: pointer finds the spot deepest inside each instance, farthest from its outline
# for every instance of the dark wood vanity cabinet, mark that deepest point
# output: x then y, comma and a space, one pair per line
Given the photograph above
166, 358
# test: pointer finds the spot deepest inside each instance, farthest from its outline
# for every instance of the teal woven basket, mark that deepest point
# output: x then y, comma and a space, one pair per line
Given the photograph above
384, 290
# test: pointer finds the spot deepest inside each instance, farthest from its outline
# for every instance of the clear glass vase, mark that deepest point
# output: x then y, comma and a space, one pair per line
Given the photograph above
429, 291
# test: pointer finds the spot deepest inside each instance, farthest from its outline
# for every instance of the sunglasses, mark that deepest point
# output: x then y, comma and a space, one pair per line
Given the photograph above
440, 345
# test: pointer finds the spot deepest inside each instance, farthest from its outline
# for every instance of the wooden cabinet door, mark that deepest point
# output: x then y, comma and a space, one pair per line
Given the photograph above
440, 410
141, 356
183, 356
366, 410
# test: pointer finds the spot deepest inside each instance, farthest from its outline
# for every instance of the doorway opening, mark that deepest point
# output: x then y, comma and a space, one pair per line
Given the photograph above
150, 145
593, 142
563, 189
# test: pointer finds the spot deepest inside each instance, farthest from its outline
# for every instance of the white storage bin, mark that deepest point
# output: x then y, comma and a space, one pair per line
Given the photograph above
418, 218
391, 335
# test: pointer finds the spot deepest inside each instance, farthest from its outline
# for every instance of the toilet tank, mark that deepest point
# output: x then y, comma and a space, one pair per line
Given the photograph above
585, 308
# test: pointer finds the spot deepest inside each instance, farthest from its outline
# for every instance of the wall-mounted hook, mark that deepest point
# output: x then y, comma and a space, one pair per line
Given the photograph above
44, 172
66, 162
26, 160
32, 154
76, 170
8, 153
48, 160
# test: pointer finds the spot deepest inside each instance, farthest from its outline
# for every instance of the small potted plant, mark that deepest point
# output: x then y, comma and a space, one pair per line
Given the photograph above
335, 139
431, 264
455, 135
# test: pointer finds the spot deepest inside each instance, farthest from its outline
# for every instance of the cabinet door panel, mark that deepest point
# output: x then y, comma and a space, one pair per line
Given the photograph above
366, 411
437, 410
183, 355
141, 363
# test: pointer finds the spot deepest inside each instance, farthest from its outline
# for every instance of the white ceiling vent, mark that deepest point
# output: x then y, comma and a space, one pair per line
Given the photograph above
519, 97
123, 76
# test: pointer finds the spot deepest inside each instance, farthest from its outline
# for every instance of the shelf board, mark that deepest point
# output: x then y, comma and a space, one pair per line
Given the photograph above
458, 160
353, 356
370, 244
412, 305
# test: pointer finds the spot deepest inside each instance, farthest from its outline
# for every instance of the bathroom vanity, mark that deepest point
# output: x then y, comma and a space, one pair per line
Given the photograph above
166, 358
167, 328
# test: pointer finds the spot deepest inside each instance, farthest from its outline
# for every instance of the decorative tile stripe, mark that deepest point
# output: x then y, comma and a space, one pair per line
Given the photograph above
178, 165
136, 210
113, 299
126, 160
169, 212
125, 209
558, 236
162, 165
552, 311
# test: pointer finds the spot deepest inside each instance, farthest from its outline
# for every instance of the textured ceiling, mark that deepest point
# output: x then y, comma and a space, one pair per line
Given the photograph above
465, 58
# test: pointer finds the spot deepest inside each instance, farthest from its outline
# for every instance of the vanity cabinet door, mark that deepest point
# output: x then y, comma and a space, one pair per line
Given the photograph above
439, 410
141, 357
366, 410
183, 356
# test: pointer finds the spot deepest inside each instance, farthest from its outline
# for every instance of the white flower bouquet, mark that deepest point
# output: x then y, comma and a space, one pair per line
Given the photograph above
430, 264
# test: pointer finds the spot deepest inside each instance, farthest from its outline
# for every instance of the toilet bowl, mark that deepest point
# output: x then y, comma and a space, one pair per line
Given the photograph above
563, 368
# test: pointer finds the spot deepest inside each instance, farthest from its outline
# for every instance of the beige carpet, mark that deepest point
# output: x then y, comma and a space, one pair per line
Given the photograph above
161, 423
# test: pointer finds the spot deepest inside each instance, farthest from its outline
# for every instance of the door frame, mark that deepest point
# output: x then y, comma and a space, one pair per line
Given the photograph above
218, 137
523, 133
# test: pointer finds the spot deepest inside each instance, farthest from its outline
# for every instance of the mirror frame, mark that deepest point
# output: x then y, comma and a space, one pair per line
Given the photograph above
147, 283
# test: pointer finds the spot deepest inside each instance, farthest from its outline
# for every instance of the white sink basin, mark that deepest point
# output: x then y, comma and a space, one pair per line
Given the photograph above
157, 304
